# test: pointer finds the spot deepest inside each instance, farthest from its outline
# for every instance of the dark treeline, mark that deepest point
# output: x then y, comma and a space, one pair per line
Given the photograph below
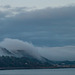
7, 62
23, 62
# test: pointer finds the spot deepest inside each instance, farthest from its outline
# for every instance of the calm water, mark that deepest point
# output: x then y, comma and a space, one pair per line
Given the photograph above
39, 72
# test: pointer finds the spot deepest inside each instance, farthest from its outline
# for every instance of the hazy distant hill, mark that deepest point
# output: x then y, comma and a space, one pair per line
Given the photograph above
20, 59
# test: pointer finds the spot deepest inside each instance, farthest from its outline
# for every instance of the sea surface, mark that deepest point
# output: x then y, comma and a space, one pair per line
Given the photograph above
39, 72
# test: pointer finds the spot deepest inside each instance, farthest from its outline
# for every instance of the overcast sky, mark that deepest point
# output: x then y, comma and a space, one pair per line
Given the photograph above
44, 25
41, 22
37, 3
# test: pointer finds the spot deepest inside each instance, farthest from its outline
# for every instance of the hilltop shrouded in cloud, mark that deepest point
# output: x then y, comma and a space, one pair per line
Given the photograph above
51, 31
15, 44
52, 53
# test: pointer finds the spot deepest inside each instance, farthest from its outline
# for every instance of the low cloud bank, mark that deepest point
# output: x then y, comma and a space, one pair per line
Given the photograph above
52, 53
15, 44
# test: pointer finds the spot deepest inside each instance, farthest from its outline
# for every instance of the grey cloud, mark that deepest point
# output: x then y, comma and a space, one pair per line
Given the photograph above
52, 53
15, 44
58, 53
6, 6
49, 26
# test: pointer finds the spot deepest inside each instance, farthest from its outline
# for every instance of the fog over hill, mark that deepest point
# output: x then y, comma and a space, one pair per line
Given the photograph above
19, 48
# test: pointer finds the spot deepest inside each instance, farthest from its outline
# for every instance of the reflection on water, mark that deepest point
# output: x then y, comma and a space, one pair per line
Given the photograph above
39, 72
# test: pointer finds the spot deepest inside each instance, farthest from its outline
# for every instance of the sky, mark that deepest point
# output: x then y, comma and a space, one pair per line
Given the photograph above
49, 24
37, 3
53, 27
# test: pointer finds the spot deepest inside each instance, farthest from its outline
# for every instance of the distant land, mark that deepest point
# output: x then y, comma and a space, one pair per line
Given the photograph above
22, 60
7, 62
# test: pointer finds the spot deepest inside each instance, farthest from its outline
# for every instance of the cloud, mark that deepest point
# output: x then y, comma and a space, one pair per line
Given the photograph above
43, 27
52, 53
6, 6
15, 44
58, 53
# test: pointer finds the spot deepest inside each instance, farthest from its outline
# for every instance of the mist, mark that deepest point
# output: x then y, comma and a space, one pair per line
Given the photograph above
52, 53
58, 53
15, 44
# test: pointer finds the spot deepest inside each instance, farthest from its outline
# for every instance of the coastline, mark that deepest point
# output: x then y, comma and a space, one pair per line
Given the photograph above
16, 68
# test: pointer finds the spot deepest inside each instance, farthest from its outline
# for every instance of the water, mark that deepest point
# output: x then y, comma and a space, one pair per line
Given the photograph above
39, 72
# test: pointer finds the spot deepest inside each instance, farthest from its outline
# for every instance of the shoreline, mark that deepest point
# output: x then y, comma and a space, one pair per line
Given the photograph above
19, 68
